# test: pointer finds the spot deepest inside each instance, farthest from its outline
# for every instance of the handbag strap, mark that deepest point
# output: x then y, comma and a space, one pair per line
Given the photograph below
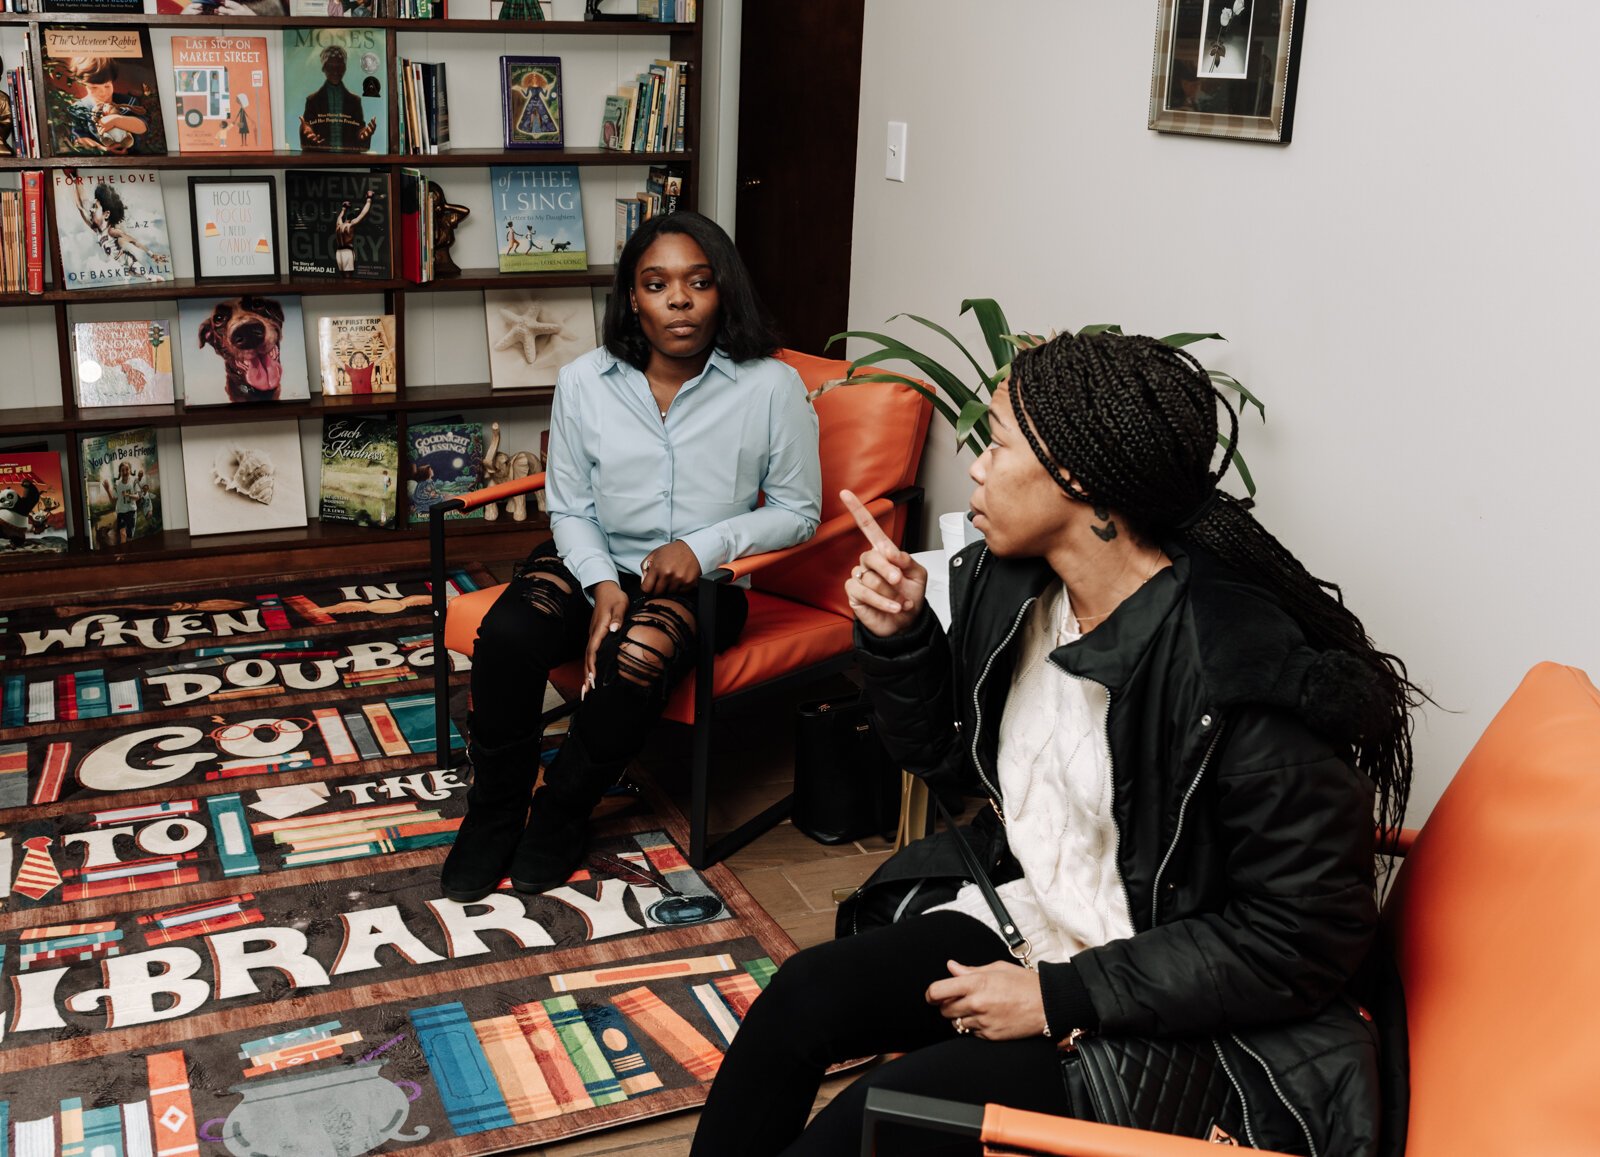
1016, 943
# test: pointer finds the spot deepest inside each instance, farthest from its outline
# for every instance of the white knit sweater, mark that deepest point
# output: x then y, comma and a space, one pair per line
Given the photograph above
1055, 777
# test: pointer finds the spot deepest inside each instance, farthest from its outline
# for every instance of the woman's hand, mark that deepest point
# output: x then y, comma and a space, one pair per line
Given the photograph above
668, 569
886, 589
1000, 1001
610, 605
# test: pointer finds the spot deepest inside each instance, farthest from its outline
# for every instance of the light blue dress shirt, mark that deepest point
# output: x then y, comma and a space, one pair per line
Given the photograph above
621, 481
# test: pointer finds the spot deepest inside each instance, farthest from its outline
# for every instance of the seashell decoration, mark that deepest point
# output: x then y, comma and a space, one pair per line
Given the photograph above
244, 471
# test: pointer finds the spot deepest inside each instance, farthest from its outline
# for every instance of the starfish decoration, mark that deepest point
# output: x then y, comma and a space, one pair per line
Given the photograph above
525, 329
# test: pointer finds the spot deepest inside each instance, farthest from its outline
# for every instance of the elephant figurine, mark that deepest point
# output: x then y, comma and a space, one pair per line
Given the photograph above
498, 466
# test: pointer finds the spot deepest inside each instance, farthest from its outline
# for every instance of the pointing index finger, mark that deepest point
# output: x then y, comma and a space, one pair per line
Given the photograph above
868, 525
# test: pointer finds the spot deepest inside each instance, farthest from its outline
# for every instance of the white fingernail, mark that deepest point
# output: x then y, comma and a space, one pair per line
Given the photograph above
612, 628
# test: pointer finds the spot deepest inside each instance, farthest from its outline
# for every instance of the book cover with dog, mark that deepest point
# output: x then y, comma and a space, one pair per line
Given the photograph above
333, 95
360, 468
113, 228
222, 91
121, 486
243, 476
33, 502
101, 97
538, 217
338, 224
444, 460
357, 354
243, 349
122, 363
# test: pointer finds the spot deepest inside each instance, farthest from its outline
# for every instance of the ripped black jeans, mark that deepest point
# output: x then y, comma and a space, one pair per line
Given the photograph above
542, 620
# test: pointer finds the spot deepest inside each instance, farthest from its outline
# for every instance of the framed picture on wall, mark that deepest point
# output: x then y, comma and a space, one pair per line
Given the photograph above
1226, 68
234, 223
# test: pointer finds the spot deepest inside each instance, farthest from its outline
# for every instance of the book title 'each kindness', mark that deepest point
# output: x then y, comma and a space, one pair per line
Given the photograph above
531, 189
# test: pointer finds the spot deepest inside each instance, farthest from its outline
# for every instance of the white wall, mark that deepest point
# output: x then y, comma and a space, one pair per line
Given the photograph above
1408, 286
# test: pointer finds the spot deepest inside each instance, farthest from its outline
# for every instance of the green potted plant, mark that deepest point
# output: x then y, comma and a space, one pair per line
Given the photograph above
966, 406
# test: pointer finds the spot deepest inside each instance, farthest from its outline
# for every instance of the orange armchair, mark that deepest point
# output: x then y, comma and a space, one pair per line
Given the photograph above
799, 628
1490, 917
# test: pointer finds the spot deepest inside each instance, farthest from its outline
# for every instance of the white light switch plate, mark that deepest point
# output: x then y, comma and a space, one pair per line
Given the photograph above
894, 164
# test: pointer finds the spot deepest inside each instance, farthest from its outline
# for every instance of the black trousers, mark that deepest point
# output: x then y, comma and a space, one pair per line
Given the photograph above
853, 998
535, 625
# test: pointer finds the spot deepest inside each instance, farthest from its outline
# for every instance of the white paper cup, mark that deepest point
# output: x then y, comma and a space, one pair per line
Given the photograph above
953, 529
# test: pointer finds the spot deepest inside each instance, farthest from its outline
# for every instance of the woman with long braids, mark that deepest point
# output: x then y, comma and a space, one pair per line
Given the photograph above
1189, 747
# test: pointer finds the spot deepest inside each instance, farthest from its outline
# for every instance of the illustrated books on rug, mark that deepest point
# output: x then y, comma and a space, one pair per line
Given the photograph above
242, 349
121, 486
360, 469
533, 333
243, 476
538, 217
113, 228
122, 363
357, 354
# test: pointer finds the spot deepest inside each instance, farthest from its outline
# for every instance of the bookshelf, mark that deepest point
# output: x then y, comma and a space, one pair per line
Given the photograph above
441, 313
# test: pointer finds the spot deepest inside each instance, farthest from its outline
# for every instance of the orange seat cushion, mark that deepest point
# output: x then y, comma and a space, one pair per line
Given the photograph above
1497, 946
780, 636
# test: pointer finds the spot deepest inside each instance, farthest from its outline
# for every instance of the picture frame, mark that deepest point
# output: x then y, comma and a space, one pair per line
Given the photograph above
1226, 68
531, 103
233, 224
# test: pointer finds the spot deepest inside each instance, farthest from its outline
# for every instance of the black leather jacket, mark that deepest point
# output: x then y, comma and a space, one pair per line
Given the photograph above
1246, 837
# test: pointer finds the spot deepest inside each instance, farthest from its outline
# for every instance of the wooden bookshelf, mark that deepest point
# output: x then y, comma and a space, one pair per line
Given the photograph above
174, 554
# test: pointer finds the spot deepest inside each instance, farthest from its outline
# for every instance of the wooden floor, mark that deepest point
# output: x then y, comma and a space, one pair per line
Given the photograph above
789, 874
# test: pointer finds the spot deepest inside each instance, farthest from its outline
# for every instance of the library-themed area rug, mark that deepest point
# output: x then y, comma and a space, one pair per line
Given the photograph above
221, 820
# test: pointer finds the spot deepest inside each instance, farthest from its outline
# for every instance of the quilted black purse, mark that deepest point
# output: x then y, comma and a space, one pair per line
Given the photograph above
1178, 1085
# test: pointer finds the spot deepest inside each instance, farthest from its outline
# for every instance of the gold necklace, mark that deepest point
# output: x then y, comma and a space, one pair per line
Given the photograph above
1082, 619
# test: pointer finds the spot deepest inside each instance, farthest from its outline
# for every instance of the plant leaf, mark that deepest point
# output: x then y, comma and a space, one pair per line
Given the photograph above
1094, 329
893, 349
1239, 465
939, 329
992, 321
1233, 383
1179, 340
971, 415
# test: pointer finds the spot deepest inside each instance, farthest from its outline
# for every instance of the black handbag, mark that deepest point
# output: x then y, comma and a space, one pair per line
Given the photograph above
845, 784
1174, 1085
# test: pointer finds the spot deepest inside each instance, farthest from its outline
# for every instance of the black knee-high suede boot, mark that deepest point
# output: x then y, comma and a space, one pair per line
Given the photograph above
552, 844
497, 812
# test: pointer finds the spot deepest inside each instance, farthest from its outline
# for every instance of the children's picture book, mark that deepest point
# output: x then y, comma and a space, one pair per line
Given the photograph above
360, 469
113, 228
538, 217
243, 476
338, 224
357, 354
222, 91
101, 97
534, 332
121, 486
33, 503
530, 93
242, 349
334, 99
445, 460
122, 363
95, 6
614, 122
214, 8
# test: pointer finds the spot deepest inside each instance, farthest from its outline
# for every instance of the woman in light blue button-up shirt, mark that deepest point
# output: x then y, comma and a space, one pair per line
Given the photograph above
678, 446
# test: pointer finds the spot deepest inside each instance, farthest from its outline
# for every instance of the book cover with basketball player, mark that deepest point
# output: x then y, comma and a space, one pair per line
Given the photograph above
222, 91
